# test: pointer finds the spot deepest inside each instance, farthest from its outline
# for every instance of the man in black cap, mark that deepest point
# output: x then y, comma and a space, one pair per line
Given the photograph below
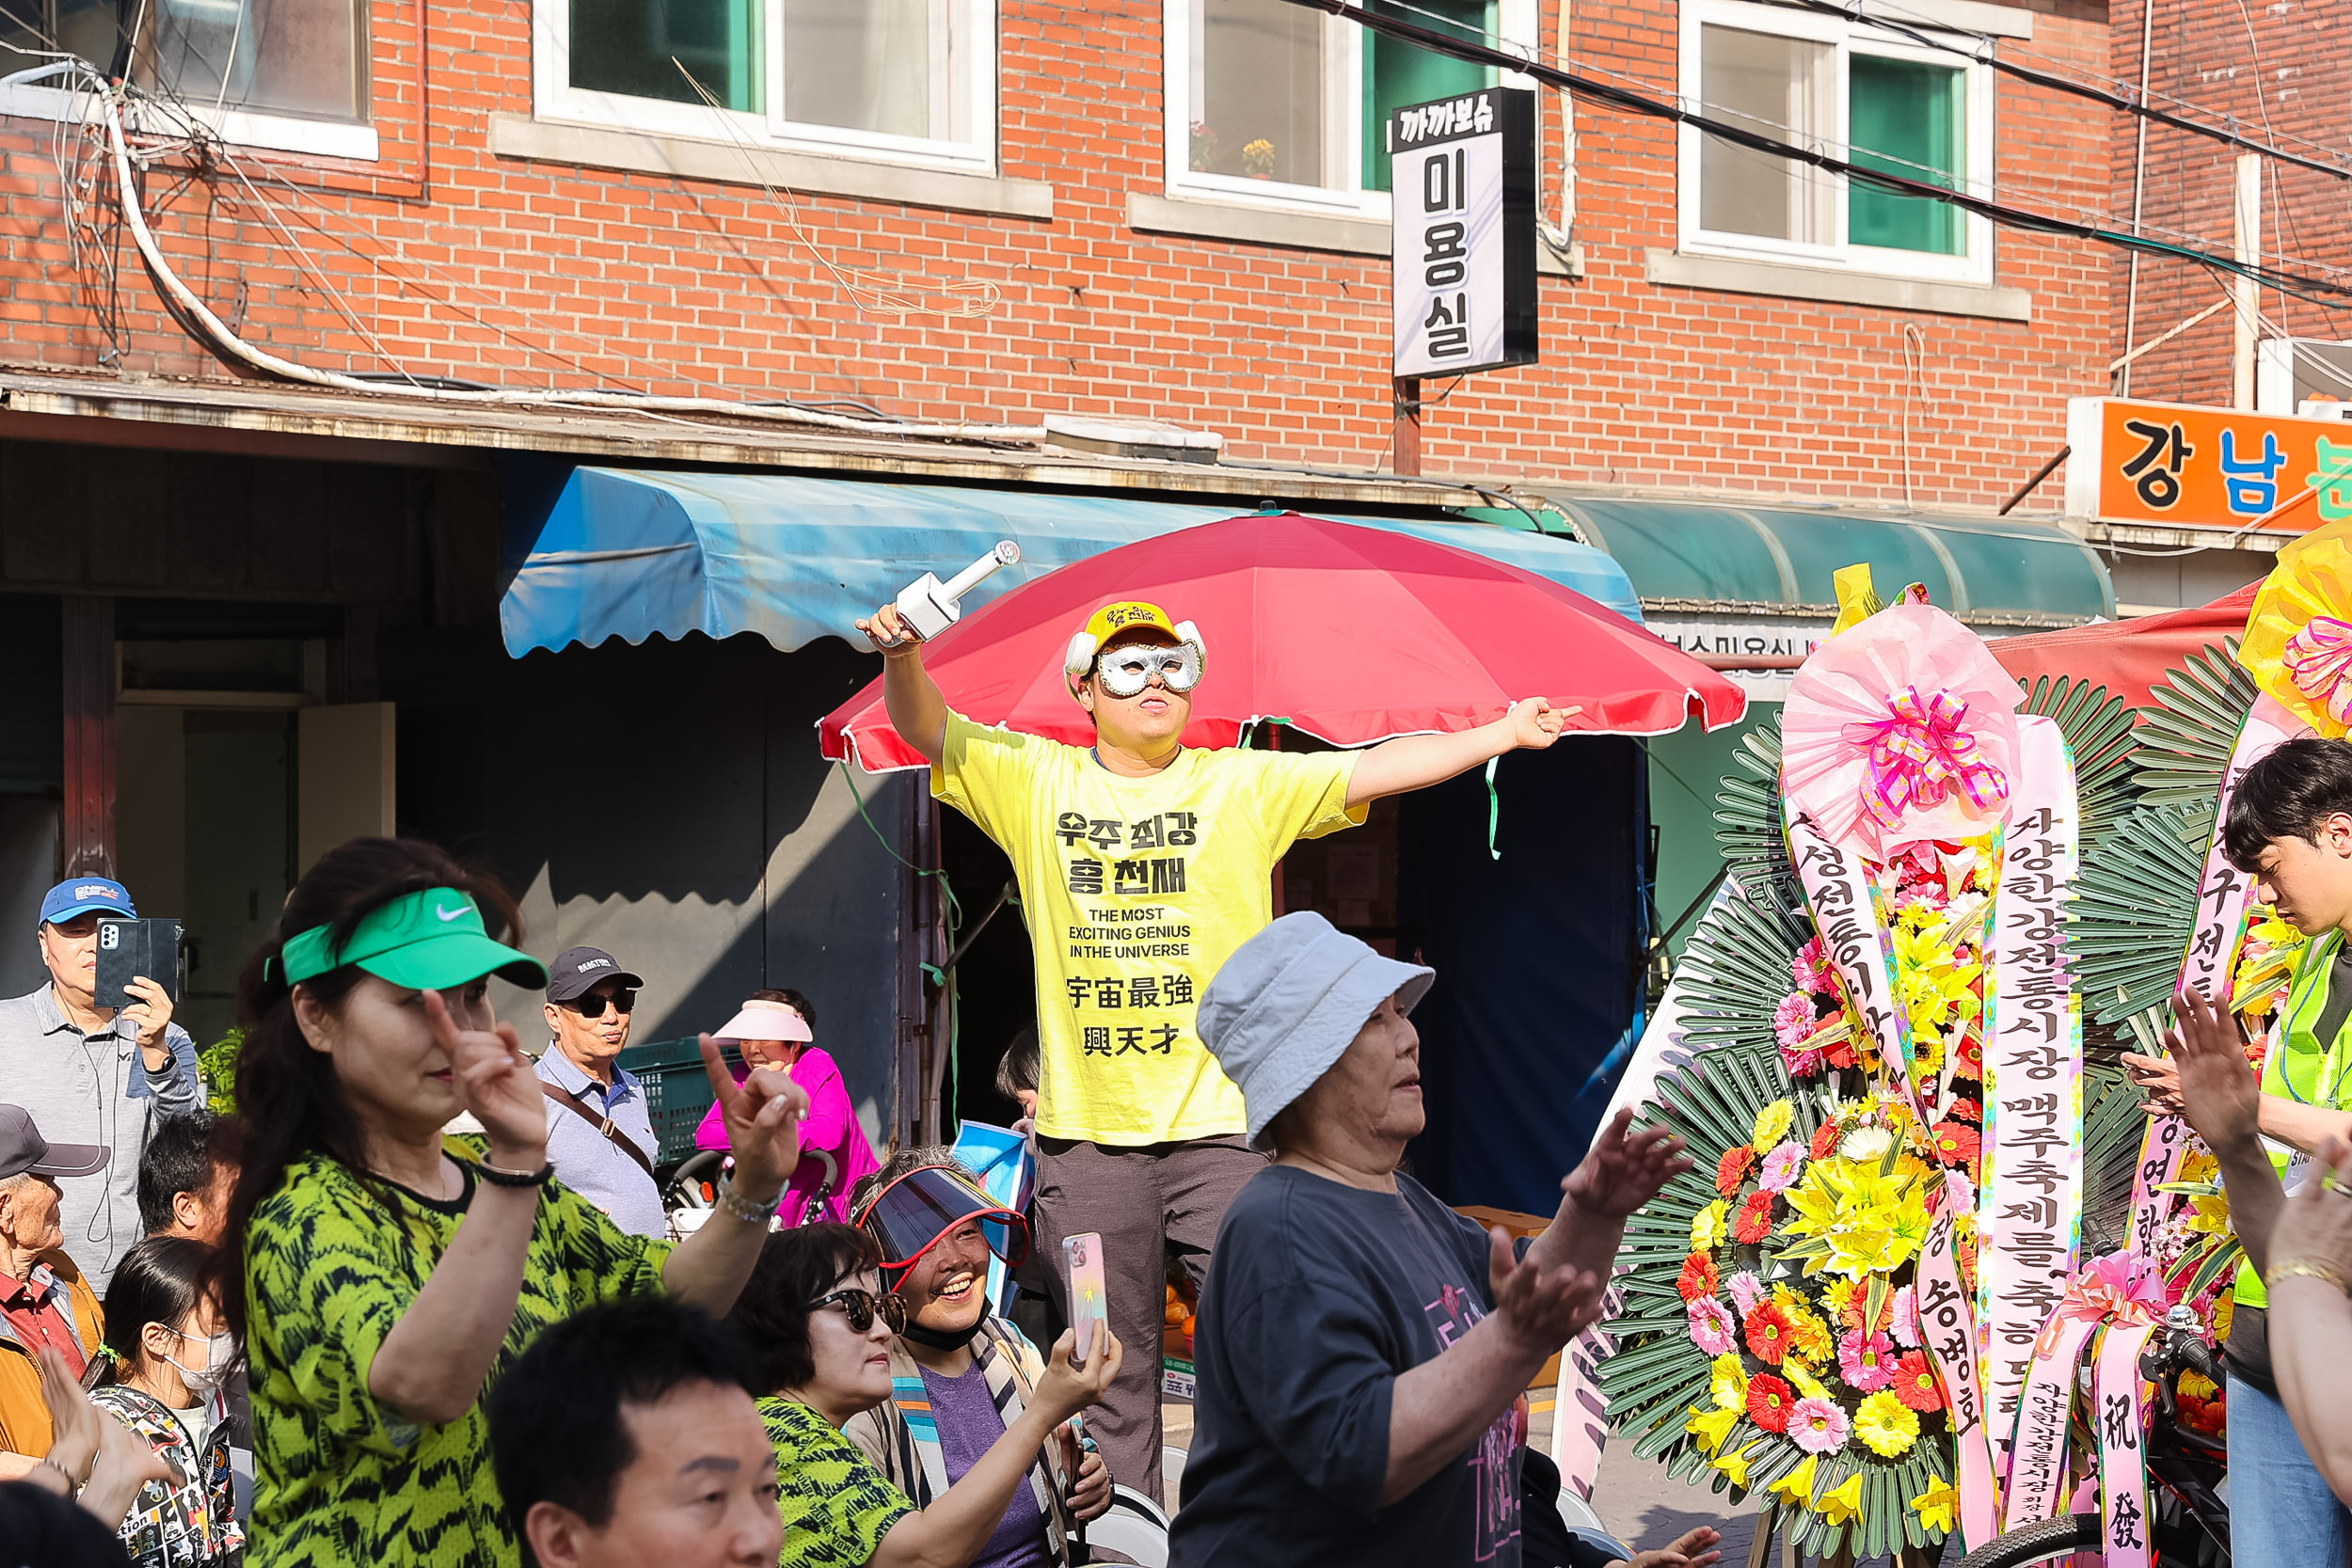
45, 1301
600, 1132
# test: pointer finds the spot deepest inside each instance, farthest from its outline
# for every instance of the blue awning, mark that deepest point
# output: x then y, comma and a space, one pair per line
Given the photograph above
636, 553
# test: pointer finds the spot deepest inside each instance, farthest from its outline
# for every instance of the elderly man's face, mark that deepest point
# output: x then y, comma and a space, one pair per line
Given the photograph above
29, 1214
1374, 1086
69, 949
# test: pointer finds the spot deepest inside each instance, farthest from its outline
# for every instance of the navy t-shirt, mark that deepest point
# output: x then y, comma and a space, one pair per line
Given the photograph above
1320, 1296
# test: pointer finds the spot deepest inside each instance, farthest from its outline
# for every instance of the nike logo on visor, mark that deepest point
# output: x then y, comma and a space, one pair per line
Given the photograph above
457, 913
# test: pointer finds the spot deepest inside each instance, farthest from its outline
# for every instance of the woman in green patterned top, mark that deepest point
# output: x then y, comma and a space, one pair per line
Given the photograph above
820, 1328
373, 1320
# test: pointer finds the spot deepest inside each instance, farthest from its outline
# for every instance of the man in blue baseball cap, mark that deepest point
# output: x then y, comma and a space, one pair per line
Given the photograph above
92, 1074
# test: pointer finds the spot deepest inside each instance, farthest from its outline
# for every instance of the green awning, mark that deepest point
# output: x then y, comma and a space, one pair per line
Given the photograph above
1989, 571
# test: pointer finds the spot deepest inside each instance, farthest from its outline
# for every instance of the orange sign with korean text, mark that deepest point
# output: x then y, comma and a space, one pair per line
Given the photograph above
2205, 467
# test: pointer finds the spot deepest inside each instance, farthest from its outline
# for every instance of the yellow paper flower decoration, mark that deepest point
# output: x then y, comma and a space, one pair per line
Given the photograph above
1886, 1424
1735, 1465
1772, 1125
1842, 1502
1854, 1221
1796, 1486
1839, 1295
1729, 1384
1709, 1226
1808, 1386
1938, 1507
2299, 638
1710, 1427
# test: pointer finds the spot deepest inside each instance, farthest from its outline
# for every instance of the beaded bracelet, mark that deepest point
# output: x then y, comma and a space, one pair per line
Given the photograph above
498, 1175
2299, 1269
743, 1208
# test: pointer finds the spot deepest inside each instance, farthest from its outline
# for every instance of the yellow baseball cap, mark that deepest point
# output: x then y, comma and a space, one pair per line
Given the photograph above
1113, 619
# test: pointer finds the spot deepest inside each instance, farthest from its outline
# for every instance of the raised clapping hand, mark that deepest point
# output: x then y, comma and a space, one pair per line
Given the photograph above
2207, 1063
888, 632
2315, 1223
763, 1118
1539, 1307
1625, 1169
1536, 723
496, 1083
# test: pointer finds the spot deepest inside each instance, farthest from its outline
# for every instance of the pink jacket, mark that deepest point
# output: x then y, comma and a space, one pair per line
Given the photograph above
831, 1126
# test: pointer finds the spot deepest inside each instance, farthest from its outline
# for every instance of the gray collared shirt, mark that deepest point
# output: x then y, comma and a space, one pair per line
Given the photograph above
93, 1088
586, 1161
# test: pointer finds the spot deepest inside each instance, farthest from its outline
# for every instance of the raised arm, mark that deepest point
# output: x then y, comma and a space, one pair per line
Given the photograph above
763, 1116
1623, 1170
2310, 1319
950, 1532
919, 711
1417, 761
2217, 1093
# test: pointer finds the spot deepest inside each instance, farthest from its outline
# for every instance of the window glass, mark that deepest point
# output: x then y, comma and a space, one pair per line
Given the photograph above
1397, 73
1259, 74
1780, 87
279, 56
636, 47
1907, 118
866, 65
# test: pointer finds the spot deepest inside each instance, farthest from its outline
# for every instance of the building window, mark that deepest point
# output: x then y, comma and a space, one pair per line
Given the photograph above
288, 74
1854, 92
1268, 101
907, 80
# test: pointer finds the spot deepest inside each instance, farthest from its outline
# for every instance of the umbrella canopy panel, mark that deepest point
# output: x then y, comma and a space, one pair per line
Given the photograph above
1350, 633
634, 553
2127, 657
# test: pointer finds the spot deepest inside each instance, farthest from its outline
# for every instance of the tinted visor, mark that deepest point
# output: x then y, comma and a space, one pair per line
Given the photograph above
915, 1212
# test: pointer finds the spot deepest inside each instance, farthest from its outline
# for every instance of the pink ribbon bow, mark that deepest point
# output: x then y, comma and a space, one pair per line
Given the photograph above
1919, 754
2319, 662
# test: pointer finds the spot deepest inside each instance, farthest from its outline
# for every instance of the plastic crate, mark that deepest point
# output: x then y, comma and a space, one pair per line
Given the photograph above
677, 1091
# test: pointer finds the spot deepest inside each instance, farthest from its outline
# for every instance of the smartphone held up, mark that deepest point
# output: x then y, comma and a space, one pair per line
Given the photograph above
1090, 1308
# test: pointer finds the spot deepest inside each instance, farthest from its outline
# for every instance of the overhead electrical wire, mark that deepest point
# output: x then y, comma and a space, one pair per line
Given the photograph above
2300, 285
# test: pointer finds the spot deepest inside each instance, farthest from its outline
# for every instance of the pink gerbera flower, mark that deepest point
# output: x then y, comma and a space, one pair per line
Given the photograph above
1818, 1426
1793, 1020
1866, 1359
1905, 1324
1781, 1167
1810, 969
1712, 1326
1746, 1290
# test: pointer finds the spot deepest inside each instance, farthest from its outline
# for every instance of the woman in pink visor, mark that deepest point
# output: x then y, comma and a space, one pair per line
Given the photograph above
774, 1029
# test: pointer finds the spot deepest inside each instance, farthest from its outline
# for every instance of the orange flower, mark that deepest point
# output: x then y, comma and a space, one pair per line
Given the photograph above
1733, 1168
1768, 1333
1698, 1277
1916, 1384
1754, 1220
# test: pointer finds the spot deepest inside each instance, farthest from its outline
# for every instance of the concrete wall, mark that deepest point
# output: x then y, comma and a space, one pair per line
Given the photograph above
667, 804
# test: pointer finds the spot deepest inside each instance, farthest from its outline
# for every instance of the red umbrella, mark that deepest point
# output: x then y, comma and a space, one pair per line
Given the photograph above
2127, 657
1353, 634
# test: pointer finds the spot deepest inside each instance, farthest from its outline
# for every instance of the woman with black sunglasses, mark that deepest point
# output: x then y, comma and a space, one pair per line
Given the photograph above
820, 1328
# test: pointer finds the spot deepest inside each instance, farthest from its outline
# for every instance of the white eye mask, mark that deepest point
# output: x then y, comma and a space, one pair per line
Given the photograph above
1125, 671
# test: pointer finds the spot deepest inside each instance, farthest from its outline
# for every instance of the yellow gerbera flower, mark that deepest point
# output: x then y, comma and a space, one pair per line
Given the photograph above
1839, 1295
1709, 1226
1886, 1424
1710, 1427
1938, 1507
1729, 1384
1772, 1125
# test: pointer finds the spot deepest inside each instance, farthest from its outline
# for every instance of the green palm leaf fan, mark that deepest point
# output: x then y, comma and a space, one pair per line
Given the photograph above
2099, 729
2189, 730
1747, 809
2136, 905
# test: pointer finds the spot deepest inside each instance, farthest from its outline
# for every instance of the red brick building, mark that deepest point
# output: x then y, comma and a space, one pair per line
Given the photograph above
955, 236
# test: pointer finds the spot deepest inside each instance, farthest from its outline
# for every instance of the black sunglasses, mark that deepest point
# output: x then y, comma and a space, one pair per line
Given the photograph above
859, 1306
592, 1005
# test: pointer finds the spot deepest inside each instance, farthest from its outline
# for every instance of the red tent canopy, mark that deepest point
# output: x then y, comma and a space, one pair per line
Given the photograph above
2126, 656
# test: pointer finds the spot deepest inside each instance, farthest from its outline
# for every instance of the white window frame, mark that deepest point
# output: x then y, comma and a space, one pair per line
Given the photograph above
1973, 266
354, 140
1519, 27
553, 98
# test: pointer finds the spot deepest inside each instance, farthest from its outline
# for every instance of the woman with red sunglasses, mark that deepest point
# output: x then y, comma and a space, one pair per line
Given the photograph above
821, 1327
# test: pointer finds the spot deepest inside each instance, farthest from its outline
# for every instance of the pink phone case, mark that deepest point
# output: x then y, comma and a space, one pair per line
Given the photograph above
1082, 1257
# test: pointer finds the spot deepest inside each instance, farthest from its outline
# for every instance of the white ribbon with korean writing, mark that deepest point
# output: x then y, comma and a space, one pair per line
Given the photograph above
2037, 1461
1837, 884
2030, 1203
2209, 965
2119, 1421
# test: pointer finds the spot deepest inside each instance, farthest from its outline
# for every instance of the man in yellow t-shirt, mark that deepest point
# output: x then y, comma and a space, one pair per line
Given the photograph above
1143, 863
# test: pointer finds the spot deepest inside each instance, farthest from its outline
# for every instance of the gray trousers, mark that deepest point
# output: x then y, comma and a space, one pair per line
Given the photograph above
1146, 1203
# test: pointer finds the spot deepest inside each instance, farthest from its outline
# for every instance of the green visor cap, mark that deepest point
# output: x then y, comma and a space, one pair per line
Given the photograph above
429, 941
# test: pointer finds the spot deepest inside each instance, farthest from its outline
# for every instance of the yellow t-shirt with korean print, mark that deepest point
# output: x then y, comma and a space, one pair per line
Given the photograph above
1136, 891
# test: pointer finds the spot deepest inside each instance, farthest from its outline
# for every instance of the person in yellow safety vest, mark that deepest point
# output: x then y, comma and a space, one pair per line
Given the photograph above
2290, 828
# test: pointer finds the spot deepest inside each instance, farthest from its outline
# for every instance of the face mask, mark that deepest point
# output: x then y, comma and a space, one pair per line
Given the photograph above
220, 1351
1125, 672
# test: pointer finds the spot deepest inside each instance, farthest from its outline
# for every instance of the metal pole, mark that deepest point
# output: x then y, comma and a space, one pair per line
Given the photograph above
1406, 440
2247, 233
